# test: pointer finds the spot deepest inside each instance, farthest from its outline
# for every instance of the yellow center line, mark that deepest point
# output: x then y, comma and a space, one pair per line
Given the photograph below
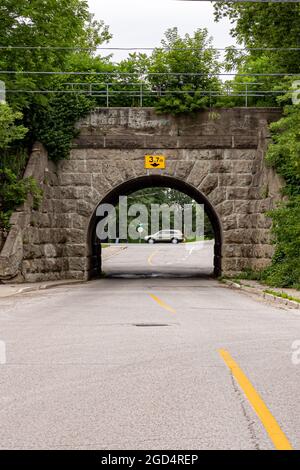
162, 303
270, 424
151, 256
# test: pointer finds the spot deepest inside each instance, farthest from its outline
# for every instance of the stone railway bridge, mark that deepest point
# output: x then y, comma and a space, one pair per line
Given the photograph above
217, 158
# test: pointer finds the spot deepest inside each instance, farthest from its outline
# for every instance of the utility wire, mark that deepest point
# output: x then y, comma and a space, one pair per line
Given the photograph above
177, 74
78, 48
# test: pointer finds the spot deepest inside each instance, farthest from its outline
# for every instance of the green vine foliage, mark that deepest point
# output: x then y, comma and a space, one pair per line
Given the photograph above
285, 269
284, 155
186, 103
9, 131
284, 152
13, 189
13, 192
54, 123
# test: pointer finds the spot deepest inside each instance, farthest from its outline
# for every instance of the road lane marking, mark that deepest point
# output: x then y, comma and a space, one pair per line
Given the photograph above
151, 256
162, 303
270, 424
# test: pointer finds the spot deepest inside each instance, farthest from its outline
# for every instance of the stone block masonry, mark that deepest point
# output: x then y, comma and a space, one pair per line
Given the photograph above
223, 159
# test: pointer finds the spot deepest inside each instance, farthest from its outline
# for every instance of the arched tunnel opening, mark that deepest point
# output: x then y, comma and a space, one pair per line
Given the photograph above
201, 248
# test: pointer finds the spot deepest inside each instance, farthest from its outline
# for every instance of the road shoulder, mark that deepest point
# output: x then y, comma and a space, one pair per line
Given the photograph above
273, 295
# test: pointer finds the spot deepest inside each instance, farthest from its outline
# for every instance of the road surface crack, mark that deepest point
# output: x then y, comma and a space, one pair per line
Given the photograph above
249, 421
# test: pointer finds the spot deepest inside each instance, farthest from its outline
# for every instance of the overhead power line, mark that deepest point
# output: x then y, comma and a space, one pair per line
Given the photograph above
178, 74
99, 48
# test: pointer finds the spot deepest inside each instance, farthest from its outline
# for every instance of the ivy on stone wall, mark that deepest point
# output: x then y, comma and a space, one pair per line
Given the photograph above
13, 189
284, 155
13, 192
54, 124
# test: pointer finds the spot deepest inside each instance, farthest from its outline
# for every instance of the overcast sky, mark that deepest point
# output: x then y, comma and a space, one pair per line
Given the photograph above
142, 23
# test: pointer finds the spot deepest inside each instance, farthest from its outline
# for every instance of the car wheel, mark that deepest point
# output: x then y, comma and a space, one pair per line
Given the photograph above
151, 241
174, 241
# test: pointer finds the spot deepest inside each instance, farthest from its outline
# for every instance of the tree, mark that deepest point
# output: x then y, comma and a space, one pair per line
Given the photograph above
9, 130
266, 29
184, 71
284, 152
13, 191
41, 36
45, 24
272, 26
45, 36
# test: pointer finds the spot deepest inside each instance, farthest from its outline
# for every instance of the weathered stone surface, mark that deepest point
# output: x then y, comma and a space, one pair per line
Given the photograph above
217, 166
77, 264
75, 250
225, 208
85, 208
79, 221
237, 193
217, 196
209, 183
198, 173
223, 159
75, 179
235, 180
233, 154
31, 251
100, 182
229, 222
2, 238
50, 250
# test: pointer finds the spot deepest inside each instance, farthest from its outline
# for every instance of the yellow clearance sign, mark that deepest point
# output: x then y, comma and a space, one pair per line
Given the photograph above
155, 161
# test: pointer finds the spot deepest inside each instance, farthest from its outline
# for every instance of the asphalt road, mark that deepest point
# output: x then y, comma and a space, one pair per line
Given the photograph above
162, 260
135, 364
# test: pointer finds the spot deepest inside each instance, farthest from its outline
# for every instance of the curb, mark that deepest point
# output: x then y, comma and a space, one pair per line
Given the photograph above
120, 249
264, 295
70, 282
35, 288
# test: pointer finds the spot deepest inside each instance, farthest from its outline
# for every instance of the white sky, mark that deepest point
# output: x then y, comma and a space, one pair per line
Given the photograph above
142, 23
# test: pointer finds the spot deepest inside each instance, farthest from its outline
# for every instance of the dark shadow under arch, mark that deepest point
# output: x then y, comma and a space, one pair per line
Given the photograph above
144, 182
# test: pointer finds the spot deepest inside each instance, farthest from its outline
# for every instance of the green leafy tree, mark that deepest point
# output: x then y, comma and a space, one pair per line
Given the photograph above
43, 25
285, 269
9, 130
61, 36
266, 29
269, 25
173, 66
284, 152
13, 192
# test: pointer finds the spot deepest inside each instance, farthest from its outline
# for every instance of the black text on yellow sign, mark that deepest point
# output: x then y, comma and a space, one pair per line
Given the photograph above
155, 161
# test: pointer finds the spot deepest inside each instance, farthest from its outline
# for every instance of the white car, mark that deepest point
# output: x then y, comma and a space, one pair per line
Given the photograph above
172, 236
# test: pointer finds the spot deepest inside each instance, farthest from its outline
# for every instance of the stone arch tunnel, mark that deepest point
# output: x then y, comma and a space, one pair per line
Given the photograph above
148, 181
218, 158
